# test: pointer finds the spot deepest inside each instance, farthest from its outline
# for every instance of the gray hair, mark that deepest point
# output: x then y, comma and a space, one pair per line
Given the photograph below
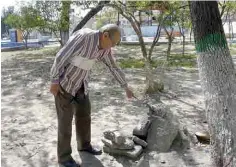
111, 29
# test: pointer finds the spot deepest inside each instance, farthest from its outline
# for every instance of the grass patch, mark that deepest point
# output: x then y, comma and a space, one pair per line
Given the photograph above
233, 51
175, 60
51, 51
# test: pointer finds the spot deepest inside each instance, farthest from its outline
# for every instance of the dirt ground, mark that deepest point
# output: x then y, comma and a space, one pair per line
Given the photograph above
29, 123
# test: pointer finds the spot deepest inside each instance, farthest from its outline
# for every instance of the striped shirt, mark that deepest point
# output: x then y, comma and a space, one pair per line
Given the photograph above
84, 43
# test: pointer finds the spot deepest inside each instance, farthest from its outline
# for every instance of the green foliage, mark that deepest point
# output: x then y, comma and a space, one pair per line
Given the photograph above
13, 20
50, 12
131, 63
65, 16
175, 60
148, 5
26, 20
5, 13
227, 7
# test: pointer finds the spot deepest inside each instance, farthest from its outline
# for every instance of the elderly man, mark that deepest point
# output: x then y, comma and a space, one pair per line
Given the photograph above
69, 75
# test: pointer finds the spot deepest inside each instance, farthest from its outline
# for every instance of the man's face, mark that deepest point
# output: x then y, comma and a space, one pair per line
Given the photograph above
110, 41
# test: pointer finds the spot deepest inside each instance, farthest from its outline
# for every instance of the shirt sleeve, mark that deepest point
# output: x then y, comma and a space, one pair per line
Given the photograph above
74, 44
109, 61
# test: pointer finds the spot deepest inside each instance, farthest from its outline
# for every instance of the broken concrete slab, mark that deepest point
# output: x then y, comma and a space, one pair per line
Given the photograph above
115, 136
127, 145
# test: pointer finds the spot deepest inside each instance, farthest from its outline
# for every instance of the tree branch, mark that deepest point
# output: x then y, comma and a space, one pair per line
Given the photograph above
166, 31
90, 14
223, 9
129, 18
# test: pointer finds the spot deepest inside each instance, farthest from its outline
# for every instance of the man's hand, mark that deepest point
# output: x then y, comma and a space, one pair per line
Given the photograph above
129, 93
54, 89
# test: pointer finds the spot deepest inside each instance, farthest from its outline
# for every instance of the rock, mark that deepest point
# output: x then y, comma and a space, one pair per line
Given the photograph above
140, 142
181, 141
163, 130
157, 109
115, 137
141, 129
128, 145
134, 153
185, 138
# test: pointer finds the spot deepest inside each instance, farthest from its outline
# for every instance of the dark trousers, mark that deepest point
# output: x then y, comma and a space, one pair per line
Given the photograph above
67, 106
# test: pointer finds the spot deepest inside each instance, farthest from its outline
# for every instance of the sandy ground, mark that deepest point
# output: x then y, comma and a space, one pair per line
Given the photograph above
29, 123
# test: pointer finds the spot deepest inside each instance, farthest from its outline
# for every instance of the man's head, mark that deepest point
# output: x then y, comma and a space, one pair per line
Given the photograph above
109, 36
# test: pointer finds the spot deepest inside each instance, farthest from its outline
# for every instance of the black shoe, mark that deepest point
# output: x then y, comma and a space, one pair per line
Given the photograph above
69, 163
91, 150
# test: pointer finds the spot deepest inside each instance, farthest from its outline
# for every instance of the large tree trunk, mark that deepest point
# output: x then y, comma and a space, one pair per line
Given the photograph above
90, 14
217, 75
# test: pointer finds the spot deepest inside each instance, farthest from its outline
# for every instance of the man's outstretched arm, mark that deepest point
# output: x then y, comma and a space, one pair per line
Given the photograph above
109, 61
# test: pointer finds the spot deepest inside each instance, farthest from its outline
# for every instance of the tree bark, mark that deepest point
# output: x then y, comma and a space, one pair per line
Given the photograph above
183, 52
65, 22
217, 75
155, 40
181, 29
170, 39
191, 30
90, 14
64, 37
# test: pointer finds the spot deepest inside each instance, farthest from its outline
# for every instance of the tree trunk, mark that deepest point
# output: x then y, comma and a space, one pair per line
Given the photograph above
65, 22
139, 16
25, 37
183, 51
26, 42
64, 37
155, 40
118, 19
169, 48
90, 14
191, 34
232, 28
170, 39
217, 75
152, 86
229, 35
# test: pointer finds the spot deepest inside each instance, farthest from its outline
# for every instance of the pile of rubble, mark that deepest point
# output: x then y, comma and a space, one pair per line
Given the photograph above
155, 132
